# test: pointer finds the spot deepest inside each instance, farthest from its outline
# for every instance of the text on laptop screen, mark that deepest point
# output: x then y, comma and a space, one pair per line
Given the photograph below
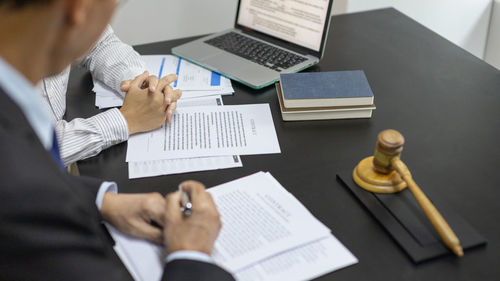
298, 21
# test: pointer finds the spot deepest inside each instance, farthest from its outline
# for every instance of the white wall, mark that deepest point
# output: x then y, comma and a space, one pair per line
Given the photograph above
464, 22
492, 54
145, 21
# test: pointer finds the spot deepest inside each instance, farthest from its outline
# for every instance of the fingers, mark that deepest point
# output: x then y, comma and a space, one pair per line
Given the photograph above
125, 85
196, 191
168, 94
171, 98
202, 201
173, 207
152, 82
171, 95
167, 80
170, 110
177, 94
151, 216
140, 80
148, 231
155, 207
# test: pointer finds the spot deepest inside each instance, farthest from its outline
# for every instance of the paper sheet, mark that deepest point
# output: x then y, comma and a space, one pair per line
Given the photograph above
302, 263
193, 80
302, 256
141, 169
189, 76
183, 165
208, 131
260, 219
143, 259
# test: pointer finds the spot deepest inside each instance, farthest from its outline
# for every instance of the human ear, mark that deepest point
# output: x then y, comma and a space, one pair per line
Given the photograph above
77, 12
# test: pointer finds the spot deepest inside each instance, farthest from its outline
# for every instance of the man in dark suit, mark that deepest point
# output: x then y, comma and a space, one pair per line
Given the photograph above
50, 222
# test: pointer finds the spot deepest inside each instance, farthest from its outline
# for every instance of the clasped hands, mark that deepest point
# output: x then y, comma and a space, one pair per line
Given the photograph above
159, 219
149, 102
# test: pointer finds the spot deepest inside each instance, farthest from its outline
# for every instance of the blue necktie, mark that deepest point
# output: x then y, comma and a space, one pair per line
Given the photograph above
54, 151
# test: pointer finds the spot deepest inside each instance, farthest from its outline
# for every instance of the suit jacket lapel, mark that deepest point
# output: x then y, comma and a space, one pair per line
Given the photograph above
13, 119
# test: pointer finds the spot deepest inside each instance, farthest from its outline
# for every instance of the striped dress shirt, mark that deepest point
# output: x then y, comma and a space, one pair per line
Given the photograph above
110, 61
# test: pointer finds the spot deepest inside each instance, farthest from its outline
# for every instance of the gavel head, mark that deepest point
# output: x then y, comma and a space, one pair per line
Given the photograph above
389, 145
375, 173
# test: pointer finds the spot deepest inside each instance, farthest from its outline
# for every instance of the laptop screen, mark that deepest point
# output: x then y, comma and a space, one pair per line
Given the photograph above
298, 21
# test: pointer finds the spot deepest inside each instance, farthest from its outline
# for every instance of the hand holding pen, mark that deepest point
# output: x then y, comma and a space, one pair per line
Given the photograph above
186, 205
193, 222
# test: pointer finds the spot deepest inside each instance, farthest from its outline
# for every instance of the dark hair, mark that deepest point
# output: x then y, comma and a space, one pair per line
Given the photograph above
17, 4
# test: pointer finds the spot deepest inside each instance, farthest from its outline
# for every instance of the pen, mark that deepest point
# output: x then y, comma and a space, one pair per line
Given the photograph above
186, 205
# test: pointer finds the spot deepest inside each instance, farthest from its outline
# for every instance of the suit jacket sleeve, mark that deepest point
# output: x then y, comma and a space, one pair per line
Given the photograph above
188, 270
50, 228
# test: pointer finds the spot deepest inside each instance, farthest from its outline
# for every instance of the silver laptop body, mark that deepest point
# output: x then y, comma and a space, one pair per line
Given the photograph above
273, 23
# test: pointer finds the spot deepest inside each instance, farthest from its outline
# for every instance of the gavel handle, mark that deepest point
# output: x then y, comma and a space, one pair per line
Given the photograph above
441, 226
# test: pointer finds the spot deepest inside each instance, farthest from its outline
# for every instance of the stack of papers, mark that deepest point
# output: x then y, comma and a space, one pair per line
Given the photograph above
203, 135
208, 131
267, 234
193, 80
149, 167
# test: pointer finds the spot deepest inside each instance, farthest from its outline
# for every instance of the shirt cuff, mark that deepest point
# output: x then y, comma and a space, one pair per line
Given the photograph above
113, 126
189, 255
106, 186
131, 73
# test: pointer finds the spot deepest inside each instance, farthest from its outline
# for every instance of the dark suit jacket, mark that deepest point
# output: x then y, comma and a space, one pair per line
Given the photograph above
49, 224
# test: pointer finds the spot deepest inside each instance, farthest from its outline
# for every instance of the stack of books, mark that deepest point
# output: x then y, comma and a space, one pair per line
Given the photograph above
325, 95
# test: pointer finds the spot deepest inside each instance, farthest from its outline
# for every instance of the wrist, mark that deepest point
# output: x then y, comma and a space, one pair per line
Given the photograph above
107, 208
182, 246
192, 255
131, 126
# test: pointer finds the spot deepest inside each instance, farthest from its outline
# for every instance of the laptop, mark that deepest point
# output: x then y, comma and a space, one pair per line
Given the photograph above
269, 38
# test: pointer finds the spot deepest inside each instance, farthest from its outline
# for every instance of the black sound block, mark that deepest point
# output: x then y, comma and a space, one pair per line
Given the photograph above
400, 214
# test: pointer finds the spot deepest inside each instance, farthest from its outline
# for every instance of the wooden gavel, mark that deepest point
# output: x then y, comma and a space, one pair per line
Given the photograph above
386, 173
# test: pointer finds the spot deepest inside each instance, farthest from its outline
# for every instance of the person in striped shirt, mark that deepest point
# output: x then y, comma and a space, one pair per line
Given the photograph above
116, 64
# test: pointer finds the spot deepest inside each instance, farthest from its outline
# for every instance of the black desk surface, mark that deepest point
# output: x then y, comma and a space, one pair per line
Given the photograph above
445, 101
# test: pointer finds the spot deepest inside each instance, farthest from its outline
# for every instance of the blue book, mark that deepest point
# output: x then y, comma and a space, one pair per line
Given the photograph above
326, 89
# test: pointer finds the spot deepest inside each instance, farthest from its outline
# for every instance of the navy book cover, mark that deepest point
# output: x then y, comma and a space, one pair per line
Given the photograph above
325, 85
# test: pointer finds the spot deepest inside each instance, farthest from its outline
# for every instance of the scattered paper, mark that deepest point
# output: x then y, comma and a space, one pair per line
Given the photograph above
143, 259
208, 131
193, 80
281, 239
183, 165
302, 263
260, 219
141, 169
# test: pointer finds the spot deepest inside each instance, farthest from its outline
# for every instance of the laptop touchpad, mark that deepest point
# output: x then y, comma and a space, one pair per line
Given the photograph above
225, 62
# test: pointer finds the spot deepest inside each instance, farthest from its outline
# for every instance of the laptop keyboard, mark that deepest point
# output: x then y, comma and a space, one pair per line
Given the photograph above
256, 51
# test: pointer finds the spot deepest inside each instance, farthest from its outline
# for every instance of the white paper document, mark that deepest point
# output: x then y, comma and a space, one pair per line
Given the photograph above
141, 169
193, 80
260, 219
143, 259
267, 235
302, 263
189, 76
208, 131
154, 168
